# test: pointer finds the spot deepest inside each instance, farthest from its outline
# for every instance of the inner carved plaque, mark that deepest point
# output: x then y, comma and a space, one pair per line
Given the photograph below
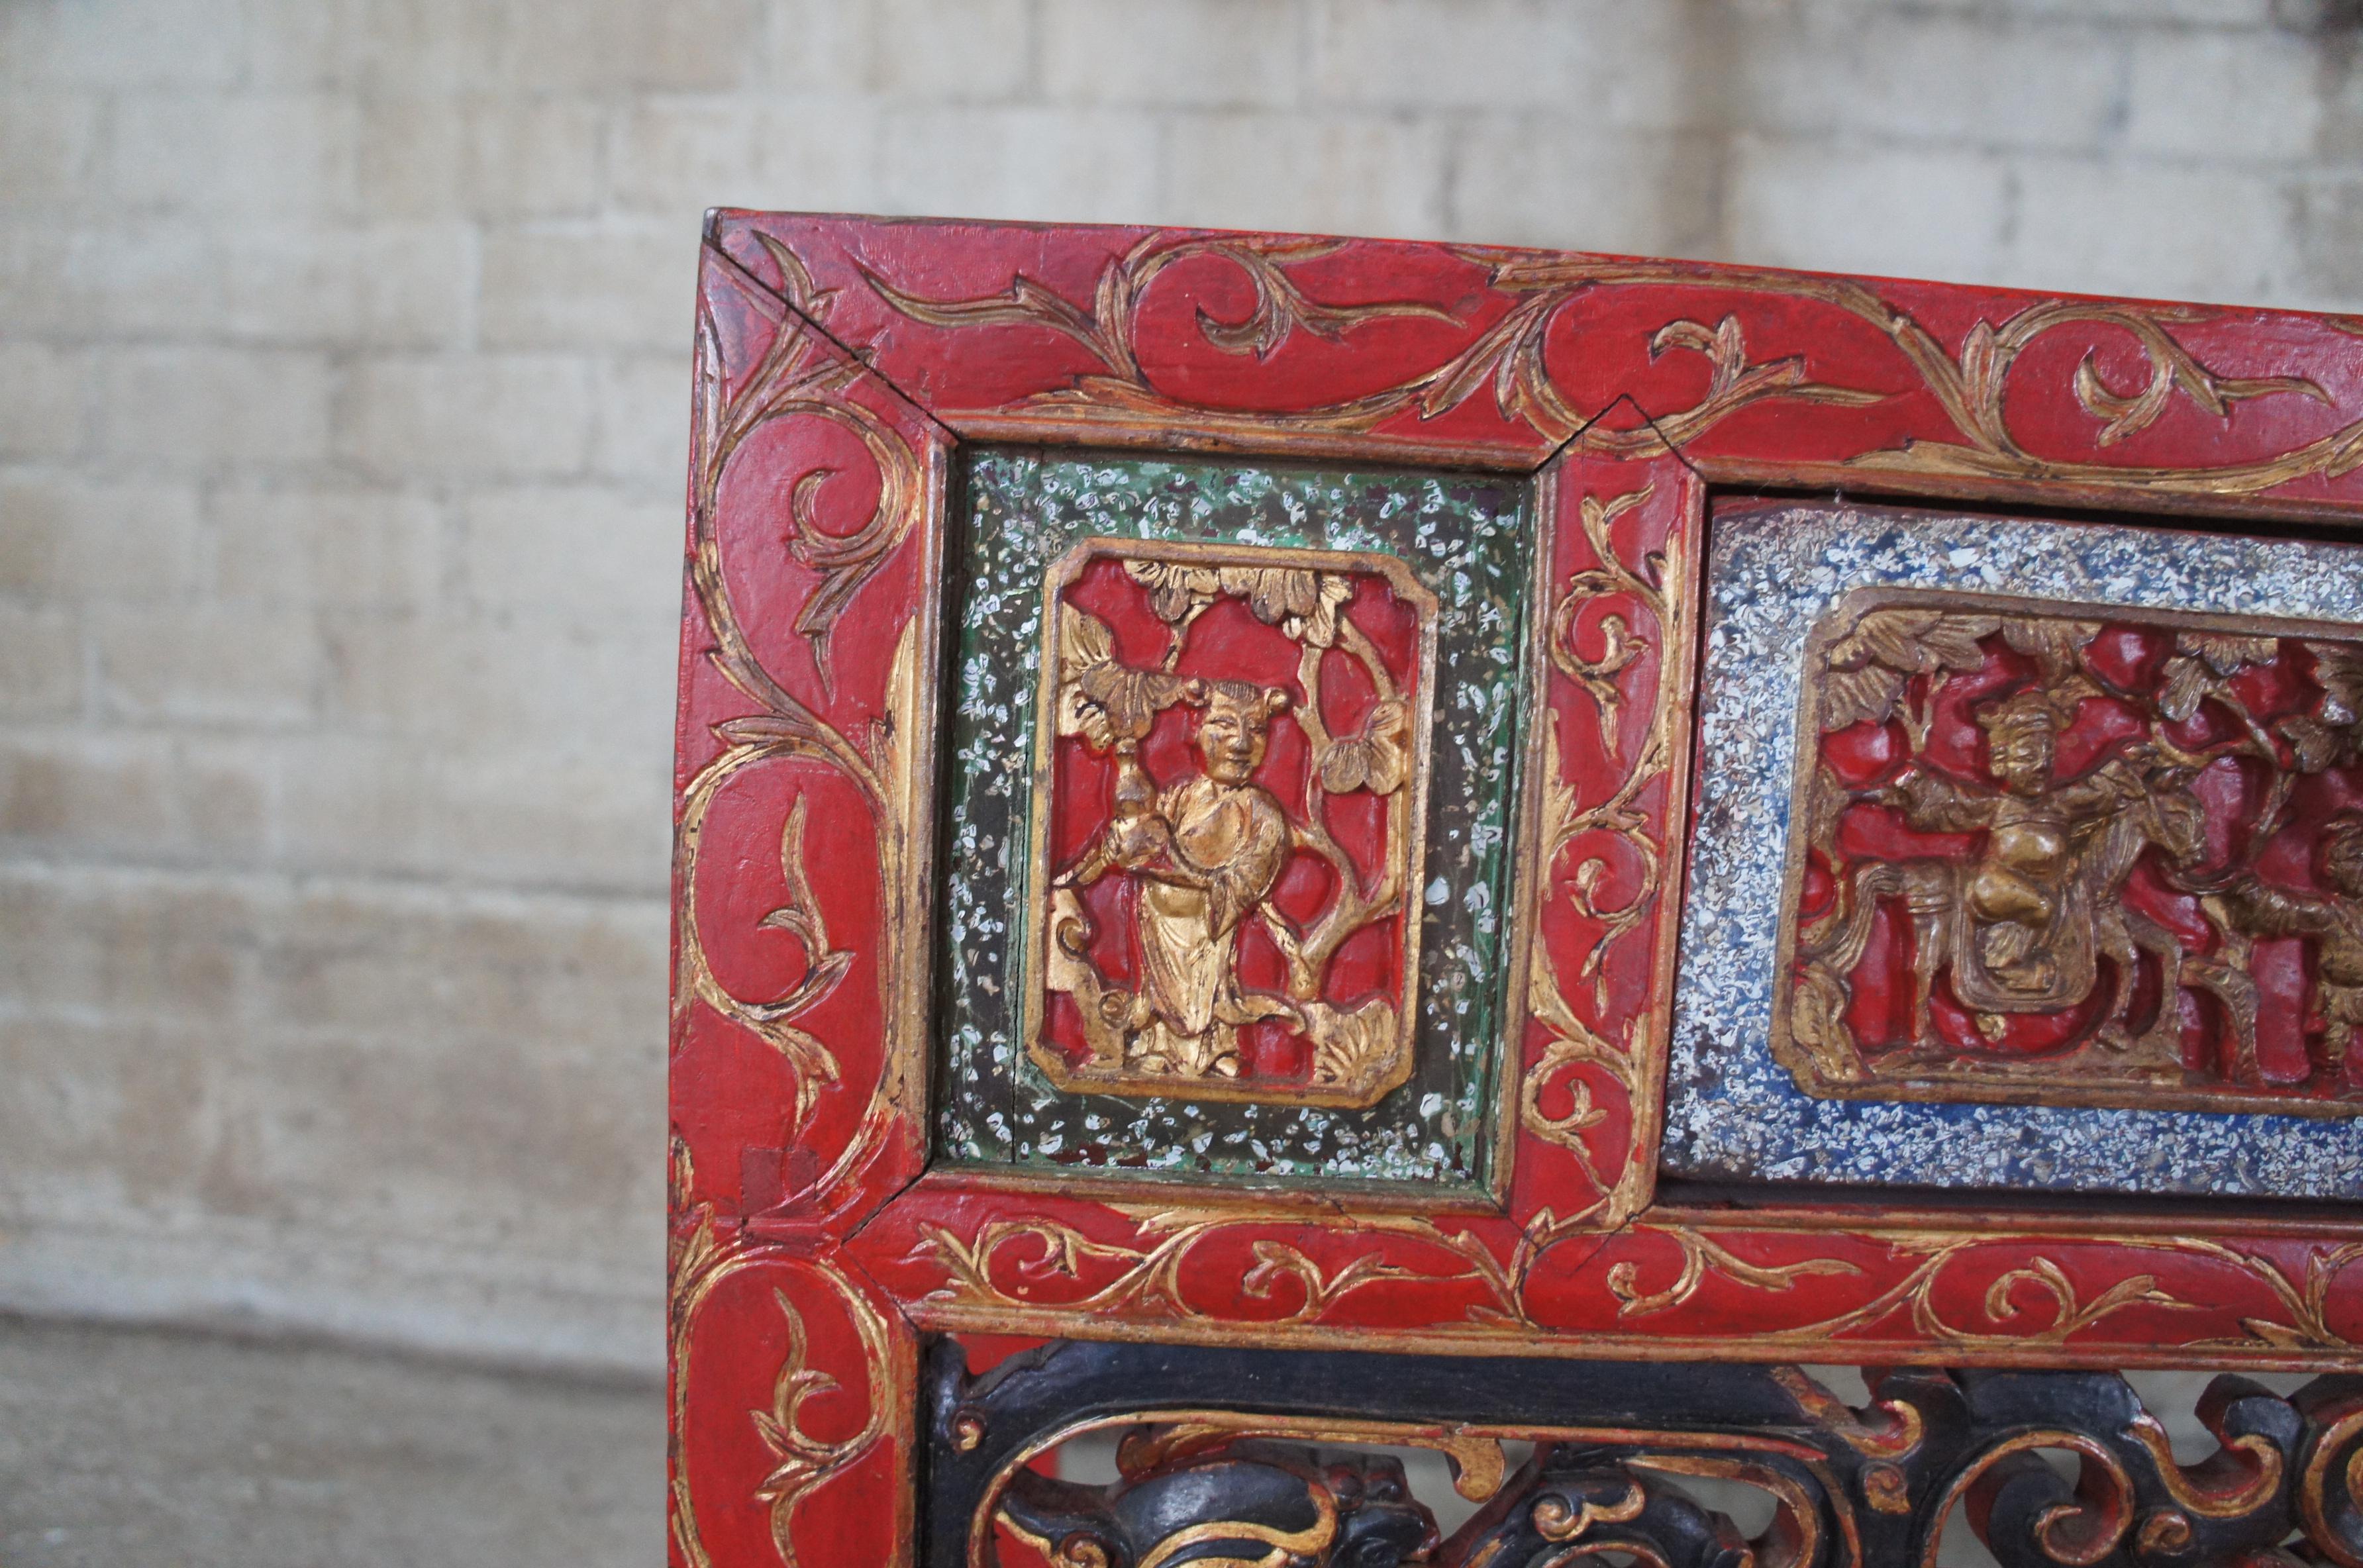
1232, 776
2075, 853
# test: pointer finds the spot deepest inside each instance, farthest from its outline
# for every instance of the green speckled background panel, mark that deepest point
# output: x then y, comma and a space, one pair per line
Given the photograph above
1466, 538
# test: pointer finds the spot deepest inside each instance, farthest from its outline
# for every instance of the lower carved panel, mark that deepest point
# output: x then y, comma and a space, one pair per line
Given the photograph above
1237, 1458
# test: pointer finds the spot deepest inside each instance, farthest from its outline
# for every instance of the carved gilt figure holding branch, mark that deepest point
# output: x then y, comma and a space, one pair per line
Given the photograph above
1227, 916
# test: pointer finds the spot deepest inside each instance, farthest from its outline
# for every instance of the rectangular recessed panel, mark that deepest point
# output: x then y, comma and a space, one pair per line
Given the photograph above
2028, 853
1232, 749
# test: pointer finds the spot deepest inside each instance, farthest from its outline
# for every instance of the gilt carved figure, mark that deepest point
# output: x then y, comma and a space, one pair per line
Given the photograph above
1215, 912
2031, 852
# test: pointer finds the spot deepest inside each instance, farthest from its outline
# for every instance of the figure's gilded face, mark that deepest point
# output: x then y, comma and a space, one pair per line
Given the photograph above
1232, 736
2023, 759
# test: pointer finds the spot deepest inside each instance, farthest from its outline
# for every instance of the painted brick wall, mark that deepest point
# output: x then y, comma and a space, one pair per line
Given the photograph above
343, 373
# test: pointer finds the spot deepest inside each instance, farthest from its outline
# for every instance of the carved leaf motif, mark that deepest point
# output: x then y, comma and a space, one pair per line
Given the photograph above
2317, 746
2227, 655
2339, 669
1100, 699
1378, 758
1129, 697
2053, 645
1350, 1047
2203, 659
800, 918
1302, 604
1869, 667
2331, 737
1177, 590
1818, 1022
2185, 686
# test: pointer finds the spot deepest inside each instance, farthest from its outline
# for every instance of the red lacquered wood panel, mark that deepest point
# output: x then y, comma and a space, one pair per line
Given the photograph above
842, 362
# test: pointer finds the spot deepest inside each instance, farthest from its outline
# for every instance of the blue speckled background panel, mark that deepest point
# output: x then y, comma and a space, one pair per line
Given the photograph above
1734, 1112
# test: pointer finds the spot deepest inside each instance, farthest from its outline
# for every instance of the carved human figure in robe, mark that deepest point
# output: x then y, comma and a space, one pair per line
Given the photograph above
1207, 854
2255, 908
2030, 926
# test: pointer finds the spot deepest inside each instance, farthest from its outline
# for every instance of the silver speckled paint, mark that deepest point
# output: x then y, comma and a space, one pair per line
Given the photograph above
1734, 1112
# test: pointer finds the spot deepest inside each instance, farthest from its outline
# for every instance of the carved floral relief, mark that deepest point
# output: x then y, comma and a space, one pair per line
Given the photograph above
2106, 854
1235, 747
2059, 827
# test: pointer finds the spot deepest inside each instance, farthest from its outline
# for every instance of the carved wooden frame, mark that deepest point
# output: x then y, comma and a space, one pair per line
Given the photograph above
840, 361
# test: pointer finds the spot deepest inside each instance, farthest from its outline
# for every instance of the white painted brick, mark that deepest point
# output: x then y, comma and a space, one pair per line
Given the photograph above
2143, 230
683, 44
589, 289
157, 947
1549, 182
179, 41
378, 287
129, 278
430, 155
2328, 223
643, 429
677, 156
41, 662
293, 152
80, 793
1600, 60
202, 408
334, 547
311, 43
1326, 174
821, 46
1866, 70
513, 414
242, 665
932, 53
45, 400
579, 548
1853, 209
550, 684
2250, 14
571, 972
81, 538
1078, 166
503, 816
2225, 96
600, 822
1200, 54
49, 139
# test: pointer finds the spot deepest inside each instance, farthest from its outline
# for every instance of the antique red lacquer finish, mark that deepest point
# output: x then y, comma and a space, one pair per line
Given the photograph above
842, 366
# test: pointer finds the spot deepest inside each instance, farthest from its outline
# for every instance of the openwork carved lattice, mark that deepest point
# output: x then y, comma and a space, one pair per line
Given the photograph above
1238, 1457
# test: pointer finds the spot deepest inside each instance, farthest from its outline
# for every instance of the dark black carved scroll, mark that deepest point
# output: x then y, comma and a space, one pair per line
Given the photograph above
1230, 1457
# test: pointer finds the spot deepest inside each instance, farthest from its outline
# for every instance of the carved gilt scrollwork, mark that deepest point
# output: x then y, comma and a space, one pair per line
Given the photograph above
1619, 1451
1971, 383
798, 376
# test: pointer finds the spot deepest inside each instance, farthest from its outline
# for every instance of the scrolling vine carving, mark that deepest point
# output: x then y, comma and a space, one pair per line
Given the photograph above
1970, 385
798, 376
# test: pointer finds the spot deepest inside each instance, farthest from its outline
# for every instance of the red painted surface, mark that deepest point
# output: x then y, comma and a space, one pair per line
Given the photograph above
806, 1183
1228, 642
